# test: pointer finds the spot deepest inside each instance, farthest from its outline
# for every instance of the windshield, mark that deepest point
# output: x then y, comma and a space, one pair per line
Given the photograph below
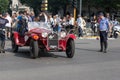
33, 25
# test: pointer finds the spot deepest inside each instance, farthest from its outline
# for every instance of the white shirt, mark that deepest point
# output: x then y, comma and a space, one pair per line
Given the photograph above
9, 24
71, 21
79, 21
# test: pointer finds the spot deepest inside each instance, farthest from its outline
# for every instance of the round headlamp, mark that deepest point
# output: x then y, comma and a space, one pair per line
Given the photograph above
44, 35
62, 34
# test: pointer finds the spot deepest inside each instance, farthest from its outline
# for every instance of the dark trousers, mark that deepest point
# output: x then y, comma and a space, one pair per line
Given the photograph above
80, 32
103, 40
69, 27
2, 40
2, 45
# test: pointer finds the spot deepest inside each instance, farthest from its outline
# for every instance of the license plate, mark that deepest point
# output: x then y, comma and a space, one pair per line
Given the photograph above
53, 46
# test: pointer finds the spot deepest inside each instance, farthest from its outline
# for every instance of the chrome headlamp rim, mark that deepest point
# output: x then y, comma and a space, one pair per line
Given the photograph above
63, 34
44, 34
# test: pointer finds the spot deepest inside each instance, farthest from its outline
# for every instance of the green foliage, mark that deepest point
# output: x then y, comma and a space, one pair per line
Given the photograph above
54, 5
4, 5
103, 4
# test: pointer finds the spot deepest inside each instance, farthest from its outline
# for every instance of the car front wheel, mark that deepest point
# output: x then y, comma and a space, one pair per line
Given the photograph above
34, 50
70, 49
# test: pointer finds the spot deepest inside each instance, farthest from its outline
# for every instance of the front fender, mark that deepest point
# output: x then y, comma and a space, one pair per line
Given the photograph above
63, 42
15, 36
19, 40
70, 36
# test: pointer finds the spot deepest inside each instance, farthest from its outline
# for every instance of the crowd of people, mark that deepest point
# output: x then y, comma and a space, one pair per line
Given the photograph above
57, 22
18, 22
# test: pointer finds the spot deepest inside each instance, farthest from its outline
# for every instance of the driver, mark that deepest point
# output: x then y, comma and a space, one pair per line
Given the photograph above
22, 24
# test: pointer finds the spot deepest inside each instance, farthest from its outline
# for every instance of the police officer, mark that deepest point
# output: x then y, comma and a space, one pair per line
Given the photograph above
3, 22
103, 28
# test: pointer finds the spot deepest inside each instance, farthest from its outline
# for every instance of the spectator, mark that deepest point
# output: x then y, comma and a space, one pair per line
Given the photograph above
32, 16
3, 22
94, 25
71, 21
50, 20
43, 17
8, 25
80, 25
14, 21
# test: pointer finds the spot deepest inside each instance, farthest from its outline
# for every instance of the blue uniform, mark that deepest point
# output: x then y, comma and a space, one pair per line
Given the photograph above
104, 25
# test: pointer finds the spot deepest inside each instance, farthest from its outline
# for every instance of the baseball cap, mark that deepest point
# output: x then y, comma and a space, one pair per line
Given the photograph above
101, 14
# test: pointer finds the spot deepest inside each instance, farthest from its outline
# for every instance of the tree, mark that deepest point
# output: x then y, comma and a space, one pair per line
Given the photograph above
109, 6
54, 5
106, 5
4, 5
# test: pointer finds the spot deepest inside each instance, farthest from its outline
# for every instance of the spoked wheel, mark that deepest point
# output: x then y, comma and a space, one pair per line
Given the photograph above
34, 50
70, 51
14, 46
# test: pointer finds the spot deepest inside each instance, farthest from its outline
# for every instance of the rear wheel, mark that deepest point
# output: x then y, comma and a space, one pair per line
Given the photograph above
34, 50
115, 35
70, 49
14, 46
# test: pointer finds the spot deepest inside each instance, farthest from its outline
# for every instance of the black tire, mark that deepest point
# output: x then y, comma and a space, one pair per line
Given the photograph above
14, 46
70, 48
115, 35
34, 50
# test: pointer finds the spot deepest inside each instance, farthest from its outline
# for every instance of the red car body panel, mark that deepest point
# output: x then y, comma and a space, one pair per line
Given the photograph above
20, 40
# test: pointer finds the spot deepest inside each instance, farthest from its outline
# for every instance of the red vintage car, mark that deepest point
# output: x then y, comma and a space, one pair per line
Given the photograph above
40, 37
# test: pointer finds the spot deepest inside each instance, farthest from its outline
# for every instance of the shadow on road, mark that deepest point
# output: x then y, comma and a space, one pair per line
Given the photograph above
86, 49
26, 54
82, 43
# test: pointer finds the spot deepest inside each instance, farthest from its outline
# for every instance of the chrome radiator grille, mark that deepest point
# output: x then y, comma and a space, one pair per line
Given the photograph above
53, 40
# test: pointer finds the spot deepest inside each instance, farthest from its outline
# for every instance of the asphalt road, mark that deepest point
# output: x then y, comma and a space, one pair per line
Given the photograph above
87, 64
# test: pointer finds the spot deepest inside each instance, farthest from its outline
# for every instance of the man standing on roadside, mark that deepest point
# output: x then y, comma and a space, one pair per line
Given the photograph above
80, 26
8, 25
103, 28
3, 22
